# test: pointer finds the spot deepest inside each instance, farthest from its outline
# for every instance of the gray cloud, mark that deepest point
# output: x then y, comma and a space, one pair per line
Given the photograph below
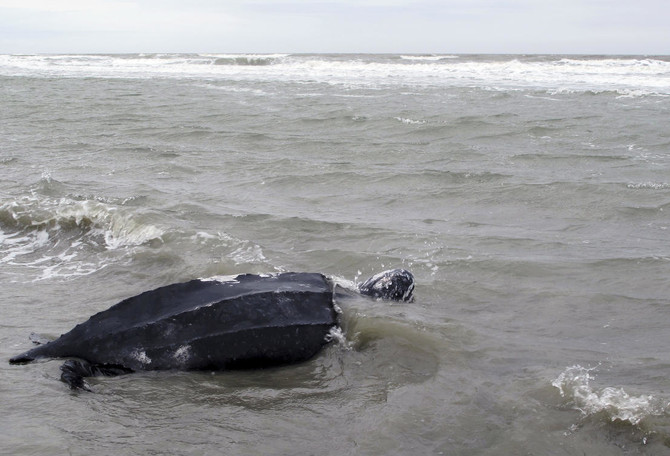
449, 26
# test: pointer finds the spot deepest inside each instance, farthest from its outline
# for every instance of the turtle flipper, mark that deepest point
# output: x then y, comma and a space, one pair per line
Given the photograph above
42, 350
73, 373
75, 370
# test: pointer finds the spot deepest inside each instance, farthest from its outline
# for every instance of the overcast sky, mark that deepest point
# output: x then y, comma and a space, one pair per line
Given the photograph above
377, 26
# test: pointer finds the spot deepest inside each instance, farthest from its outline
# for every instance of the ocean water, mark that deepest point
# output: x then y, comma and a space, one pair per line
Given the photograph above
529, 195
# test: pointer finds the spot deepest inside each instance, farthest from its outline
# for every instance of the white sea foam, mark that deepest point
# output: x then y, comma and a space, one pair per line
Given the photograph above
248, 253
575, 384
410, 121
246, 59
118, 229
428, 58
649, 185
62, 237
337, 335
627, 76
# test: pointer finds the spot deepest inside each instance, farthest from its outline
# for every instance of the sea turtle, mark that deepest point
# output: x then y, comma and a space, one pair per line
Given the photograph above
245, 321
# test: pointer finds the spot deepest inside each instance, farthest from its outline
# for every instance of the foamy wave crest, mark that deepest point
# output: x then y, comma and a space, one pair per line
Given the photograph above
95, 218
629, 77
427, 58
64, 237
410, 121
649, 185
574, 384
247, 59
336, 335
117, 229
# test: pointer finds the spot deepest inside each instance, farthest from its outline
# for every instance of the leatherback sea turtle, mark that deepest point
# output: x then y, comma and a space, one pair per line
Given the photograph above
246, 321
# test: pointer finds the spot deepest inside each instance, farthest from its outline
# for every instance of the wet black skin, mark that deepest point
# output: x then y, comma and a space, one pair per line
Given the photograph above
252, 321
395, 285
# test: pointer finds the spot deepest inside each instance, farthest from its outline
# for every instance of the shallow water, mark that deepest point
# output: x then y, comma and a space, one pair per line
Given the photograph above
528, 194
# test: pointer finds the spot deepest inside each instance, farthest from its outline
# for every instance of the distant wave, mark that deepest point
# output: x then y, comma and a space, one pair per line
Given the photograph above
627, 77
248, 59
428, 58
649, 185
409, 121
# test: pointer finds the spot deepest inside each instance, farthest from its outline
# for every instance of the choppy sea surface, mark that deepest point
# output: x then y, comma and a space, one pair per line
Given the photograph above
529, 195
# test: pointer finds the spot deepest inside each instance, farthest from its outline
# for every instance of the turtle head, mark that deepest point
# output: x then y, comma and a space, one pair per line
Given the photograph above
394, 284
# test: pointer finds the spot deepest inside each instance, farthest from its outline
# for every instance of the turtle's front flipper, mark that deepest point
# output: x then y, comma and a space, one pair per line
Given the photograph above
74, 371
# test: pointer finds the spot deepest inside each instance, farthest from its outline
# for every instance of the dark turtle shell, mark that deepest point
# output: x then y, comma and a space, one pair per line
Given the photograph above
243, 322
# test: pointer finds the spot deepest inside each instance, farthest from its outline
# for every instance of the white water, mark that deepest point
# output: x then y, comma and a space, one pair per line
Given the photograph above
627, 75
575, 384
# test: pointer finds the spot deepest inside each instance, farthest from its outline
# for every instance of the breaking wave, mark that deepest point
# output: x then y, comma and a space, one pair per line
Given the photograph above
427, 58
65, 237
627, 77
248, 59
615, 403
